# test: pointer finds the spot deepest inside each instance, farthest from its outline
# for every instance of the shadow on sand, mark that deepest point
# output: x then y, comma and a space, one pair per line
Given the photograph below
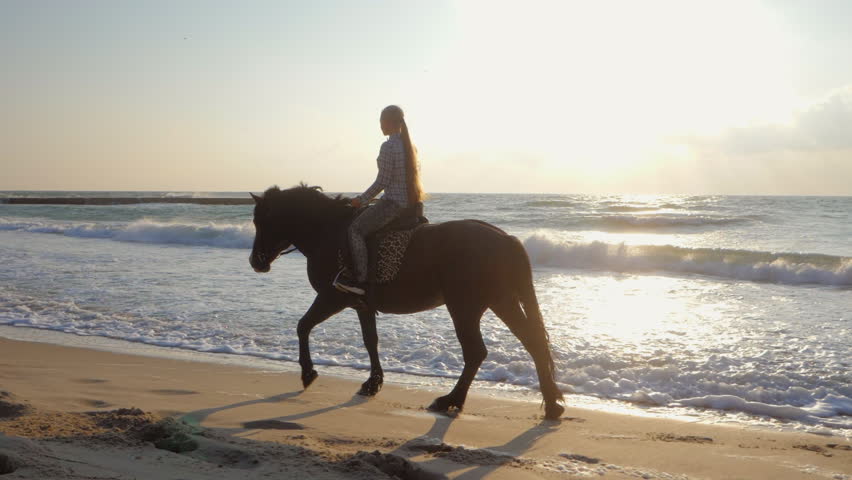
484, 460
279, 423
447, 458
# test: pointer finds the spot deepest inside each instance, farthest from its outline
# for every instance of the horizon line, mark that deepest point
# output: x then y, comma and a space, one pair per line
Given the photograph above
448, 193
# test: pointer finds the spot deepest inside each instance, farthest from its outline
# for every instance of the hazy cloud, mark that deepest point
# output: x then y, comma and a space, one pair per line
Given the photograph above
821, 126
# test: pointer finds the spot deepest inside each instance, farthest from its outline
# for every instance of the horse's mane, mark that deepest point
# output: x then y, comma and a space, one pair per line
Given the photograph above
309, 200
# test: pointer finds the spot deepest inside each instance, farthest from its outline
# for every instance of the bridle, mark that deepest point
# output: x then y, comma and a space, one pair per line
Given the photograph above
262, 254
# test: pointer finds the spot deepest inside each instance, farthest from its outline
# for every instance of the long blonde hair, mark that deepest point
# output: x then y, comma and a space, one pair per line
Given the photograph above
412, 167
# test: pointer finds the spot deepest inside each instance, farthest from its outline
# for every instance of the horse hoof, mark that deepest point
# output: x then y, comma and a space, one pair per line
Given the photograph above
308, 378
553, 411
371, 386
444, 404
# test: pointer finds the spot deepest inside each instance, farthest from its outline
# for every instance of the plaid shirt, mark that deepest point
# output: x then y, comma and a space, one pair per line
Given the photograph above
391, 177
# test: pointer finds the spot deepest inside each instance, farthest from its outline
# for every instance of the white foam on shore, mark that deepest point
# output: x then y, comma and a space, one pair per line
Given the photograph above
830, 406
434, 385
667, 384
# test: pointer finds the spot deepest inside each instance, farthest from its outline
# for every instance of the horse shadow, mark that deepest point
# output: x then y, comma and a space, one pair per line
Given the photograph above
497, 455
285, 422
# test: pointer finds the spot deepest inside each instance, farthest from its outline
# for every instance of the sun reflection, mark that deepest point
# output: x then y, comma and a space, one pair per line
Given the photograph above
628, 310
633, 311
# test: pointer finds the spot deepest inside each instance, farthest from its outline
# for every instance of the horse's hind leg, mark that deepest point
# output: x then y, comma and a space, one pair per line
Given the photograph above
466, 318
371, 342
535, 342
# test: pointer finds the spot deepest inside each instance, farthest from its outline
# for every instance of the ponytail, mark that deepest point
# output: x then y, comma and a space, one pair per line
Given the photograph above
412, 170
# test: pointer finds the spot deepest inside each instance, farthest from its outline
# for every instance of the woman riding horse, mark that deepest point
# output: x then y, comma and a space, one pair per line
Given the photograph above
468, 265
399, 177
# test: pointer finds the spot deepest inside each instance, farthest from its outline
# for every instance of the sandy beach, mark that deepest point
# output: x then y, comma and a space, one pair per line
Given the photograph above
75, 413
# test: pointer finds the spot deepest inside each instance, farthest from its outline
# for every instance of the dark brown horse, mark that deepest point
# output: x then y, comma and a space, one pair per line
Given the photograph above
468, 265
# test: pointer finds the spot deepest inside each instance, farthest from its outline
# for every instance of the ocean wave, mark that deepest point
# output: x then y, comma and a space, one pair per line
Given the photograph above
145, 231
679, 206
603, 206
626, 222
756, 266
645, 222
550, 203
631, 208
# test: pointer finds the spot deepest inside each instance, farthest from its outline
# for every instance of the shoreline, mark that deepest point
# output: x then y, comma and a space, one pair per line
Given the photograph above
493, 437
435, 384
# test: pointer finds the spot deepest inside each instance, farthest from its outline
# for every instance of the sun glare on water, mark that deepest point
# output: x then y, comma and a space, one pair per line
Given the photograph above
629, 310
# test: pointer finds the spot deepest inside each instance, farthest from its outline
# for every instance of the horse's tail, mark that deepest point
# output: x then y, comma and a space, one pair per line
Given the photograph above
535, 322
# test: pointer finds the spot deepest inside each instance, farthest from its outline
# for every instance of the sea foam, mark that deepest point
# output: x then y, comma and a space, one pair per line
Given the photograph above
714, 382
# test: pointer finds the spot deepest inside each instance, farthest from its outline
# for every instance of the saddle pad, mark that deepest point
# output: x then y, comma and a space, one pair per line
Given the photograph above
391, 250
392, 247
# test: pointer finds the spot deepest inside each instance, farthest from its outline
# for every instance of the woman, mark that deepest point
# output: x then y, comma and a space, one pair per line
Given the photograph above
399, 177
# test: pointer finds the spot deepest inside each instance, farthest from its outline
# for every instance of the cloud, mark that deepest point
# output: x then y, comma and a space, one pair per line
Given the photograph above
825, 125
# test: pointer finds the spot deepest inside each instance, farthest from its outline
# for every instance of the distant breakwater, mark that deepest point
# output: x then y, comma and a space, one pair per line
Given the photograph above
122, 200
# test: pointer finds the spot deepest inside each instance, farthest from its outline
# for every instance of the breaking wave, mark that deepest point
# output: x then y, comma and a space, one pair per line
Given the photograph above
756, 266
146, 231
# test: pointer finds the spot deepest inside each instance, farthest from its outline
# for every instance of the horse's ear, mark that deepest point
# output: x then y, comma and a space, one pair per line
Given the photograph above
255, 197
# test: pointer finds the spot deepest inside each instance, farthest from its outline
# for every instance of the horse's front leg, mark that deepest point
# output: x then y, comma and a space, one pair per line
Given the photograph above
322, 308
371, 341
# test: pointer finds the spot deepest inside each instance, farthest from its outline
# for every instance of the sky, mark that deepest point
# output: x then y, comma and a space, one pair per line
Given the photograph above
739, 97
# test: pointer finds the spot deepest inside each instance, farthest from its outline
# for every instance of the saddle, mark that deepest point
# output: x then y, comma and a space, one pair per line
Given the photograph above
386, 247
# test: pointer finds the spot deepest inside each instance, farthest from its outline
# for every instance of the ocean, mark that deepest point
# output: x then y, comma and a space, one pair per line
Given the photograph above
722, 308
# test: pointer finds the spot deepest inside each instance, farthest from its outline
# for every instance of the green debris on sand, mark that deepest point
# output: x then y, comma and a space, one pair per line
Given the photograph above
172, 435
178, 436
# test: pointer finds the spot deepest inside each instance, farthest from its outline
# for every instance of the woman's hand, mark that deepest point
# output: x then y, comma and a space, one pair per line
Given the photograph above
355, 202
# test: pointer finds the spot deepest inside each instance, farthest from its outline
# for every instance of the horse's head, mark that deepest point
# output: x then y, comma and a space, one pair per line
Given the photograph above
297, 215
270, 239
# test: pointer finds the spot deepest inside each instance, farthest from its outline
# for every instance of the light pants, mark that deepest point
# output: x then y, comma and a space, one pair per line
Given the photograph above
375, 217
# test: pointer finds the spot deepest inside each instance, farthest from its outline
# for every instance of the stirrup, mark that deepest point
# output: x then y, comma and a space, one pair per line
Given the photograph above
341, 284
